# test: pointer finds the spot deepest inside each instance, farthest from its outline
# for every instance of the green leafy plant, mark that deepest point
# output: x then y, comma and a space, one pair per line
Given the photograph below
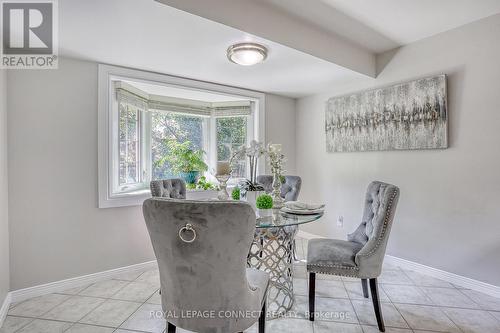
182, 158
264, 201
236, 193
202, 184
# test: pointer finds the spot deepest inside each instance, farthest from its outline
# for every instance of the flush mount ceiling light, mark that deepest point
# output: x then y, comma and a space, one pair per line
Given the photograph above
246, 54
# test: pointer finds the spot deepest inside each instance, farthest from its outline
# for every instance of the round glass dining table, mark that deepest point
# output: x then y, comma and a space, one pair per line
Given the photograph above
272, 251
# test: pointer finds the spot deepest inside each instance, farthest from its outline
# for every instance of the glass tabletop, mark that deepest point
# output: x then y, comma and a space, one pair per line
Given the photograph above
282, 219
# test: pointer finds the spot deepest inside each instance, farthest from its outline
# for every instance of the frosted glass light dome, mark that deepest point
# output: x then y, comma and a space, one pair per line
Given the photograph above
246, 54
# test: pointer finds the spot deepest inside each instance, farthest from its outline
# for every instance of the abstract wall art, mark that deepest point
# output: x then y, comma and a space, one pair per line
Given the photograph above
411, 115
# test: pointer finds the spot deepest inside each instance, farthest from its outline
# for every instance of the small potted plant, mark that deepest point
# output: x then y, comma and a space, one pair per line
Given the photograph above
236, 193
264, 205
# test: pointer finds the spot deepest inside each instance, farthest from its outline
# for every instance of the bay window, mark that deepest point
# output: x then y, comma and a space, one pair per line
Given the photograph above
142, 117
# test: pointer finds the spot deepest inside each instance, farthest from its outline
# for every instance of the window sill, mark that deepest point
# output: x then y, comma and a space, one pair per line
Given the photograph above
136, 198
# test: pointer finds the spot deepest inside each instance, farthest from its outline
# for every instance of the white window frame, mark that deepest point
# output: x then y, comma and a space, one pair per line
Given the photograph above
107, 129
213, 143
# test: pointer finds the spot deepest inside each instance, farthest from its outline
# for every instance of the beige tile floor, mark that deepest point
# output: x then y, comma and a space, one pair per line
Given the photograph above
412, 302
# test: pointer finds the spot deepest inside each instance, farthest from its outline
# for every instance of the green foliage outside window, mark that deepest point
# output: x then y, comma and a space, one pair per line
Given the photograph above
167, 126
231, 135
128, 144
182, 158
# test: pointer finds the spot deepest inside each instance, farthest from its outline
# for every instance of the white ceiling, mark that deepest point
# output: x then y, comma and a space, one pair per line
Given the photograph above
151, 36
145, 34
406, 21
381, 25
329, 18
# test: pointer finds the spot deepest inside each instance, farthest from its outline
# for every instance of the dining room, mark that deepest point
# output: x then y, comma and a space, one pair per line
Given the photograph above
230, 166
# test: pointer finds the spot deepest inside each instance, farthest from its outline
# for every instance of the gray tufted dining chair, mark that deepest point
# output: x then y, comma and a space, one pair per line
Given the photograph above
201, 248
362, 255
174, 188
289, 190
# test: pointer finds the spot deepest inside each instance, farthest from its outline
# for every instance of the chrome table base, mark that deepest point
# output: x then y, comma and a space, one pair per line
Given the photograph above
272, 252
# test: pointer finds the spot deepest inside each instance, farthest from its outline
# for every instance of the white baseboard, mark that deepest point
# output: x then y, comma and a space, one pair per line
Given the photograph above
431, 271
446, 276
58, 286
5, 308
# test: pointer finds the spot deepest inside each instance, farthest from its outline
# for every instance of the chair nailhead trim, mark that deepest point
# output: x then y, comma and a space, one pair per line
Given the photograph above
320, 271
335, 266
384, 227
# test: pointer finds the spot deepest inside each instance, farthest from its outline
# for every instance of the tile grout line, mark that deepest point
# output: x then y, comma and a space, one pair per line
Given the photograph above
434, 306
105, 299
438, 306
497, 319
117, 328
36, 318
473, 301
371, 301
20, 328
446, 315
72, 323
452, 306
69, 296
397, 309
350, 302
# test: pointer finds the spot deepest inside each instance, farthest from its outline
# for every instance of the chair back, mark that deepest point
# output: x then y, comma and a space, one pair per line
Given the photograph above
373, 232
174, 188
202, 248
290, 189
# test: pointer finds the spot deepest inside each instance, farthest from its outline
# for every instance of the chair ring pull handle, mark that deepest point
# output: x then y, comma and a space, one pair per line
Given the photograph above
187, 228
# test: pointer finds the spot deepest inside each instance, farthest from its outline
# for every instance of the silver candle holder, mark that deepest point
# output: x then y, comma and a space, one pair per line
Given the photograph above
278, 201
222, 194
277, 161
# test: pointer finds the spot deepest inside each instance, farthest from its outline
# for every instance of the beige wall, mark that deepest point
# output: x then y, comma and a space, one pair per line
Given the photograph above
57, 231
4, 225
449, 211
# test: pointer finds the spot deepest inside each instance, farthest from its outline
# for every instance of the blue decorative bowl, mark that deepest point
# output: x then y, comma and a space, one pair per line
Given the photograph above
190, 177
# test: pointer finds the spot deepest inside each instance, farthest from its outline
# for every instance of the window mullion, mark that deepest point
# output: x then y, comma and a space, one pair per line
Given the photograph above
211, 143
146, 163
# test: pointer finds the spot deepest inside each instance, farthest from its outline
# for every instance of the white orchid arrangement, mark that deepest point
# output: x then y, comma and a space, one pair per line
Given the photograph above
254, 151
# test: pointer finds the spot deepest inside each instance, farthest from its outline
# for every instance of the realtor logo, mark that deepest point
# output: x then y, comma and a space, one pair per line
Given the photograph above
29, 34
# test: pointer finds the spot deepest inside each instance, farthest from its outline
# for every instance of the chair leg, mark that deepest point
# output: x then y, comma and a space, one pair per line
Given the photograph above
170, 328
376, 304
364, 283
262, 319
312, 291
261, 246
